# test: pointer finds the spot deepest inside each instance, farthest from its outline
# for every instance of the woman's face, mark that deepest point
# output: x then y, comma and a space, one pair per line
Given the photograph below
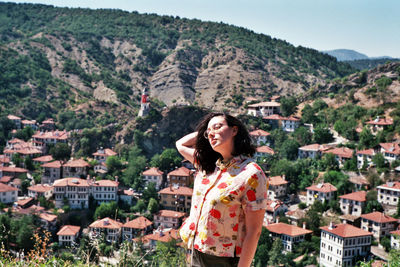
221, 136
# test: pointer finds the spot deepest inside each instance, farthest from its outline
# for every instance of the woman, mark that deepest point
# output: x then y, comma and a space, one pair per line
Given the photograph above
229, 196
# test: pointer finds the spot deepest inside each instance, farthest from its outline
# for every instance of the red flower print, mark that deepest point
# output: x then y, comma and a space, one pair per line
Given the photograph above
216, 234
232, 215
205, 181
235, 228
227, 245
233, 193
209, 241
192, 226
257, 167
251, 195
241, 188
238, 250
215, 213
254, 176
196, 246
222, 185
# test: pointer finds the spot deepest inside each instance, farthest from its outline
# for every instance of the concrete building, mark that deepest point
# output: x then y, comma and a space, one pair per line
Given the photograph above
176, 198
378, 224
180, 177
322, 191
341, 245
104, 190
389, 193
138, 226
277, 187
68, 235
108, 227
288, 233
153, 175
168, 219
353, 203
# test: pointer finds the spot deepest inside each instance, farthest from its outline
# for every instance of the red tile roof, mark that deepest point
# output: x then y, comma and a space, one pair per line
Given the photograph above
287, 229
273, 117
76, 163
378, 217
13, 117
106, 223
368, 152
39, 188
105, 183
71, 182
7, 188
4, 159
16, 141
324, 188
265, 104
48, 121
48, 217
5, 179
55, 164
273, 205
343, 152
153, 172
346, 230
381, 121
128, 192
181, 190
358, 180
391, 147
166, 236
390, 185
171, 213
69, 230
356, 196
46, 158
58, 135
397, 232
312, 147
105, 152
28, 122
259, 132
182, 171
276, 180
13, 169
265, 149
25, 201
138, 223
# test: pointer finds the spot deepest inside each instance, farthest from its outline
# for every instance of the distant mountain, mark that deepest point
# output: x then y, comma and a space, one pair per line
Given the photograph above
346, 54
367, 64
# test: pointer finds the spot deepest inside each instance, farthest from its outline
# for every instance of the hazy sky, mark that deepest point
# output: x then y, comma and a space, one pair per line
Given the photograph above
371, 27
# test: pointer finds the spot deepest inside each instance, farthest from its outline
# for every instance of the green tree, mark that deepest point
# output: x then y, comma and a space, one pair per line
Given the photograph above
136, 165
25, 133
153, 206
288, 105
303, 136
322, 135
372, 202
28, 163
380, 162
60, 151
167, 161
289, 149
149, 192
339, 180
367, 139
114, 165
106, 210
275, 255
17, 160
351, 164
139, 207
169, 254
328, 162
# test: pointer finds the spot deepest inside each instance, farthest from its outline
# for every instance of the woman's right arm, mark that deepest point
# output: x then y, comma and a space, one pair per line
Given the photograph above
186, 146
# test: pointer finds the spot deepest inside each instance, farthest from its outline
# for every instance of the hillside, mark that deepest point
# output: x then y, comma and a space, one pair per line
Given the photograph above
346, 54
81, 59
362, 64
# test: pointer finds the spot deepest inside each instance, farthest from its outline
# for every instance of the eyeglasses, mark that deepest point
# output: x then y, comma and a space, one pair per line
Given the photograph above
216, 128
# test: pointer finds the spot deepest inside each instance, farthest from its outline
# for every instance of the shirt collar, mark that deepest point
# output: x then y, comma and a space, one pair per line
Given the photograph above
225, 165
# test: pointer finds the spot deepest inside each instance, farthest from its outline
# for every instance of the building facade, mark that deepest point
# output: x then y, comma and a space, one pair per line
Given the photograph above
353, 203
389, 193
378, 224
177, 198
322, 191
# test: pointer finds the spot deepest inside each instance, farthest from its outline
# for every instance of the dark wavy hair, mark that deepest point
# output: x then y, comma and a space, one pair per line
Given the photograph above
205, 157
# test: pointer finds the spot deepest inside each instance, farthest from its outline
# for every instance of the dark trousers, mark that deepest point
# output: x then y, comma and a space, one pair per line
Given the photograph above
206, 260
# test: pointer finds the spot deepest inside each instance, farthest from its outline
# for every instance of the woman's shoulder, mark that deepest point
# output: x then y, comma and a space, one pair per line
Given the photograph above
252, 166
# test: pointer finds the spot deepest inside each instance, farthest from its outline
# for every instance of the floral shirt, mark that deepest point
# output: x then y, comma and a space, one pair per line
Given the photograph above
216, 224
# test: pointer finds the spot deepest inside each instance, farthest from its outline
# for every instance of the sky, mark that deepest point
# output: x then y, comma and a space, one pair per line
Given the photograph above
371, 27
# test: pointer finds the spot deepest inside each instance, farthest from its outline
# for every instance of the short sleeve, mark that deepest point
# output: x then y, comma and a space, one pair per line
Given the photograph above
256, 191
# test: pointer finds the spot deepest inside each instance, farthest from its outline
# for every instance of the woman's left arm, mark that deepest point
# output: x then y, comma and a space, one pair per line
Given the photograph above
254, 221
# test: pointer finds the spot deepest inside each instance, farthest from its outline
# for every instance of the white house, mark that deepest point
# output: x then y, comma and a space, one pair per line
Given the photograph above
138, 226
311, 151
277, 187
263, 109
68, 235
389, 193
378, 224
322, 191
342, 243
365, 156
76, 191
107, 226
153, 175
52, 171
274, 209
353, 203
168, 219
260, 137
263, 151
36, 191
104, 190
390, 151
395, 239
8, 194
288, 233
101, 154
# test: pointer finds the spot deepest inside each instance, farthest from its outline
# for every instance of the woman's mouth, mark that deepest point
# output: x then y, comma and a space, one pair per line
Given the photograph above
213, 141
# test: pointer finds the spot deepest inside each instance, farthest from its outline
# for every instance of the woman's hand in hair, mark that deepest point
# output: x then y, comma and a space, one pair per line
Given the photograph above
186, 146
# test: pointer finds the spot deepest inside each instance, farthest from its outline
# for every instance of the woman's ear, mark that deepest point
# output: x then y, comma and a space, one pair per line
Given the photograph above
235, 130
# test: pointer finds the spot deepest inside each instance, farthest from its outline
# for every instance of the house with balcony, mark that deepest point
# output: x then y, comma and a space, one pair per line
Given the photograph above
8, 194
263, 109
322, 191
164, 236
40, 190
101, 154
277, 187
378, 224
139, 226
68, 235
273, 210
343, 245
263, 152
359, 181
76, 168
16, 120
108, 227
180, 177
153, 175
342, 154
73, 190
288, 233
104, 190
389, 193
260, 137
42, 139
379, 124
311, 151
390, 151
52, 171
168, 219
177, 198
364, 157
353, 203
